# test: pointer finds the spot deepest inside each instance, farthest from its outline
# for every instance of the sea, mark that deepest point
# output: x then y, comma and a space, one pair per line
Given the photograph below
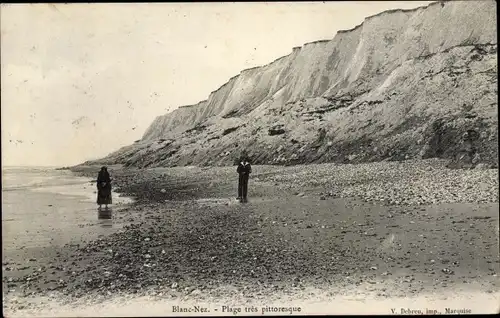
43, 207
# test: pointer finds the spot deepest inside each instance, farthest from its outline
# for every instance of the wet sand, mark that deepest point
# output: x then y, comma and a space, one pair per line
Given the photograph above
191, 242
52, 219
44, 212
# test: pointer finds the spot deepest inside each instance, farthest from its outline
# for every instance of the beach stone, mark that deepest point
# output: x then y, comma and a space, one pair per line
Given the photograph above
196, 292
383, 180
481, 166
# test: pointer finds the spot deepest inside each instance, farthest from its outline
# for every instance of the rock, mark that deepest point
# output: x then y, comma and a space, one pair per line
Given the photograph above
174, 285
163, 191
481, 217
196, 292
482, 166
276, 130
322, 197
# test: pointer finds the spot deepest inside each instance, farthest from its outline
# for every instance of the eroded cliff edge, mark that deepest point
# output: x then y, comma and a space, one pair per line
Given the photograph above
404, 84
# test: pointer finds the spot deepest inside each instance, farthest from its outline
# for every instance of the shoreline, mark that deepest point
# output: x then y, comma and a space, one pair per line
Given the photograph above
188, 240
61, 201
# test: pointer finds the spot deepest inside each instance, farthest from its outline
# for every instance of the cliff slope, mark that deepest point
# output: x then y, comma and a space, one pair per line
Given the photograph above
403, 84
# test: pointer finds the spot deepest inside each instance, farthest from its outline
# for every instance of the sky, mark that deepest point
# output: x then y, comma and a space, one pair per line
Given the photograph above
79, 81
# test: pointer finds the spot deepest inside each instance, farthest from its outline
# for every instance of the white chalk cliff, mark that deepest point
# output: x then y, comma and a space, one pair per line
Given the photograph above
403, 84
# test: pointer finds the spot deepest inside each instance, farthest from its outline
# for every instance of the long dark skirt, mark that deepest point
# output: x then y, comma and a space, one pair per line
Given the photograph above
104, 195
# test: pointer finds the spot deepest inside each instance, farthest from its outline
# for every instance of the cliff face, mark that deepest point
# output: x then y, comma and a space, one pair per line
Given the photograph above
404, 84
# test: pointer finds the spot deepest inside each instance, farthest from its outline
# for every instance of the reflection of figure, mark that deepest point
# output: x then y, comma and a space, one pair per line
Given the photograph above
105, 220
103, 188
244, 169
104, 215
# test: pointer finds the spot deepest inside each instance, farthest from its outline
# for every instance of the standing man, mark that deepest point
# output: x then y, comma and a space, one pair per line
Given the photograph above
244, 169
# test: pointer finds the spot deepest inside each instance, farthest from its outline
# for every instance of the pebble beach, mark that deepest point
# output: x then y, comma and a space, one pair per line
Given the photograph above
316, 233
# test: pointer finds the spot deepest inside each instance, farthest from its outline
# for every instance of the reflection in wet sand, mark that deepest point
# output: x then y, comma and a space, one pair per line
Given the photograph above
105, 217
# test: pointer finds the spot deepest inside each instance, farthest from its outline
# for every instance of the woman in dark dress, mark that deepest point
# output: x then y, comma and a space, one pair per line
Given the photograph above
103, 188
